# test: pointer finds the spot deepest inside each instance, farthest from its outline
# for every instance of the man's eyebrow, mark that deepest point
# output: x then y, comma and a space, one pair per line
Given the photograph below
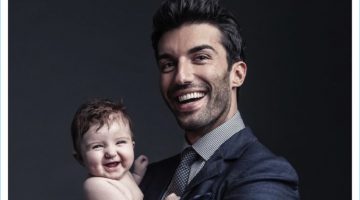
201, 47
165, 56
190, 51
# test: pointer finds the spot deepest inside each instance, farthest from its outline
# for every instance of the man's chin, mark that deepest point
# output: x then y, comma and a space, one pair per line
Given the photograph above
189, 125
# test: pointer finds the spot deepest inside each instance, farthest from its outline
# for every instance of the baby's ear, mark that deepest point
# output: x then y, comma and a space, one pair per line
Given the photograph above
133, 144
78, 158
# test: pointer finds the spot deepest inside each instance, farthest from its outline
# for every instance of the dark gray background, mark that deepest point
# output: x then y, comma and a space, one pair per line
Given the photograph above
296, 97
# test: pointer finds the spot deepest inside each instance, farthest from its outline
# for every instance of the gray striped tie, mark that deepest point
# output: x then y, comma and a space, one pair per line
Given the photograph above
181, 176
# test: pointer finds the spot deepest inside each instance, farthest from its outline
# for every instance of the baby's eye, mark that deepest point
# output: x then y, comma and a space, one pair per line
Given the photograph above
121, 142
97, 147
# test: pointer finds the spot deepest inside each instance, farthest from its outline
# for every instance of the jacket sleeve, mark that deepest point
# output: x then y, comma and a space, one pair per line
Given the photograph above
261, 189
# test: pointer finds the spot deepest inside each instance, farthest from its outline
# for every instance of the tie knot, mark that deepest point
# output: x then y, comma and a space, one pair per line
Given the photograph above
188, 156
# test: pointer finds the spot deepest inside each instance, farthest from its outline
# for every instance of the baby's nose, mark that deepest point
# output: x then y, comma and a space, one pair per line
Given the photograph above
110, 153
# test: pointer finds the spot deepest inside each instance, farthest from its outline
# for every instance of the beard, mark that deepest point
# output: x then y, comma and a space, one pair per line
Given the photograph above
213, 113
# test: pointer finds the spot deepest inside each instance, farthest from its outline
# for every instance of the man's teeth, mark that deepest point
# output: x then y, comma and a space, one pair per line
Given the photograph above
189, 96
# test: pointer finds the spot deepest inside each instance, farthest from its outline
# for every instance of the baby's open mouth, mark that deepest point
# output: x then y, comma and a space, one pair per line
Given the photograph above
112, 164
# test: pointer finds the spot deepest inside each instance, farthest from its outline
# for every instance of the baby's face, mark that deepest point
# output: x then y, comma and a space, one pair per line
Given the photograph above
109, 151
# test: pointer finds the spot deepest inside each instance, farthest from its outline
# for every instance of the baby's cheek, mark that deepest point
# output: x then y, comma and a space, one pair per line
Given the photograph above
93, 165
129, 159
94, 170
92, 161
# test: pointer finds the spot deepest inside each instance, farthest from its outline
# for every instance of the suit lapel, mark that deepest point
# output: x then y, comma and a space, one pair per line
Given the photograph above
210, 170
231, 149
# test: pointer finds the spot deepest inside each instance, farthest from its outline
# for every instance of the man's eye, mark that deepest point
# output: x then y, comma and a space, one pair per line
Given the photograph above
167, 66
201, 58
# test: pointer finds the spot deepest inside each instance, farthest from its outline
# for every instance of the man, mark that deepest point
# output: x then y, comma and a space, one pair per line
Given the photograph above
200, 56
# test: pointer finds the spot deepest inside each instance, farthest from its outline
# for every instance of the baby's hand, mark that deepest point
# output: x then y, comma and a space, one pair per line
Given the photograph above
172, 196
140, 166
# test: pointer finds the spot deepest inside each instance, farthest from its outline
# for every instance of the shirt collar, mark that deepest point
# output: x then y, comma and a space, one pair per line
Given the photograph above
210, 142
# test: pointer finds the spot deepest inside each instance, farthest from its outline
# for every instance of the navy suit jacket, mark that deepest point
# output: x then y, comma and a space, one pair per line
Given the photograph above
242, 169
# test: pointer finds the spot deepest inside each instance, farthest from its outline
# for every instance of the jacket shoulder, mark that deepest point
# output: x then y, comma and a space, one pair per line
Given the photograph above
258, 169
262, 162
246, 153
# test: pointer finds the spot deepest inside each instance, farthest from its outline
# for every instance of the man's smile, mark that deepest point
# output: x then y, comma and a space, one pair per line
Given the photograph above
188, 101
189, 97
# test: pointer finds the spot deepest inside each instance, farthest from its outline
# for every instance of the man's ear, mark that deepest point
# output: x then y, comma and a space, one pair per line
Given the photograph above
238, 74
133, 144
78, 158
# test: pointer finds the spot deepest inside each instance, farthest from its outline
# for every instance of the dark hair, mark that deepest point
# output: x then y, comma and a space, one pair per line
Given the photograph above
95, 112
174, 13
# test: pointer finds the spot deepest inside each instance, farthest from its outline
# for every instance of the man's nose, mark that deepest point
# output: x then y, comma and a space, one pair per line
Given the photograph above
184, 72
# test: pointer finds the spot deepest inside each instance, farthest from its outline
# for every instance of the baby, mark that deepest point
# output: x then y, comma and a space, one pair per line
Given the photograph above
103, 142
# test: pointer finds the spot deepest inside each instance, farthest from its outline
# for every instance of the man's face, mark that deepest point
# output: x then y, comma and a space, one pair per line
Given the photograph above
109, 151
195, 81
